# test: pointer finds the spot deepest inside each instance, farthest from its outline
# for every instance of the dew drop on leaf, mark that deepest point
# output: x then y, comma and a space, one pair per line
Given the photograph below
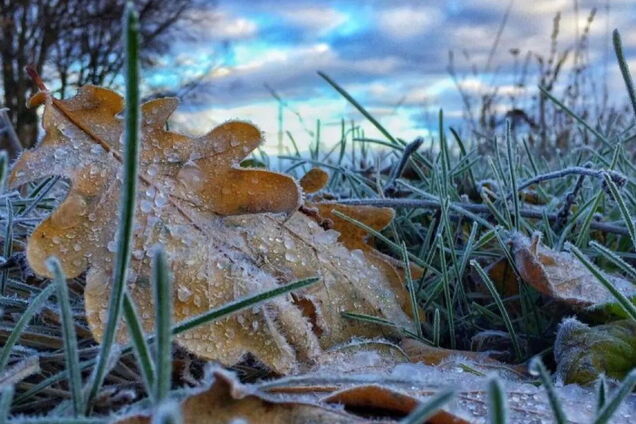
145, 206
112, 246
183, 293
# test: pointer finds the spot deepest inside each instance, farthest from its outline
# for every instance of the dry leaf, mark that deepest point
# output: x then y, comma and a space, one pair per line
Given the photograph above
314, 180
188, 189
561, 275
369, 386
227, 401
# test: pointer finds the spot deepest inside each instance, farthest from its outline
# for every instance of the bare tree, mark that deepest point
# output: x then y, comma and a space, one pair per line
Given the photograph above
72, 43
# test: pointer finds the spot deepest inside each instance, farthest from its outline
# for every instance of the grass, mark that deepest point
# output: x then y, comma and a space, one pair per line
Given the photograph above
455, 207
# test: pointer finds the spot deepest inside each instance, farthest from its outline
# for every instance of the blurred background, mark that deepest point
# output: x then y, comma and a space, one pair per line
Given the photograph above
479, 60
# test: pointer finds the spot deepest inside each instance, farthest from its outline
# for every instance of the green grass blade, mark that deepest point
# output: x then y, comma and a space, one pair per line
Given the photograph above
601, 394
8, 244
139, 344
615, 259
618, 198
5, 403
436, 327
537, 368
612, 405
162, 288
627, 305
447, 292
358, 106
497, 407
71, 354
127, 197
533, 165
584, 230
34, 307
502, 309
411, 288
426, 410
622, 64
513, 176
240, 304
4, 166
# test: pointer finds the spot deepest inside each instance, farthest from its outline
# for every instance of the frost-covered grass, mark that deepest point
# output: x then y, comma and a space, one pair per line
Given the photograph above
455, 210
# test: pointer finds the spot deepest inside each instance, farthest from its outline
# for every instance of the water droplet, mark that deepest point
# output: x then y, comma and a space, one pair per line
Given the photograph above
96, 149
112, 246
59, 153
289, 243
152, 170
327, 237
190, 176
183, 293
161, 199
172, 156
145, 206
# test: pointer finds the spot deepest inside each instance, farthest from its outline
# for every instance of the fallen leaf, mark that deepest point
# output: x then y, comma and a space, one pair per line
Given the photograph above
227, 231
314, 180
582, 352
561, 276
478, 361
338, 391
227, 401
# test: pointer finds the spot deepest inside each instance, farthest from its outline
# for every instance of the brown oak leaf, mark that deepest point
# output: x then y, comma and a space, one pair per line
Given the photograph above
228, 232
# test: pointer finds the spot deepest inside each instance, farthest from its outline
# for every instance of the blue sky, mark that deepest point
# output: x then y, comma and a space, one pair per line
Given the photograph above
392, 55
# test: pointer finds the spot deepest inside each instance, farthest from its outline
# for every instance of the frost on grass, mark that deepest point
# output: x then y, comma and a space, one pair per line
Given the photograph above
228, 232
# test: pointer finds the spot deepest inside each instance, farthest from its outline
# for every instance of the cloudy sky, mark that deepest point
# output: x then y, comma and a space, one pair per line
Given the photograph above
392, 55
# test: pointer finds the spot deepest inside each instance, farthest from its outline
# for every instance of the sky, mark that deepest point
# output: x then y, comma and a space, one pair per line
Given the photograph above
391, 55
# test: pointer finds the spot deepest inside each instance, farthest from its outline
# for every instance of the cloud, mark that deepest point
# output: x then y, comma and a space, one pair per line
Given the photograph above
292, 71
219, 25
315, 20
408, 22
